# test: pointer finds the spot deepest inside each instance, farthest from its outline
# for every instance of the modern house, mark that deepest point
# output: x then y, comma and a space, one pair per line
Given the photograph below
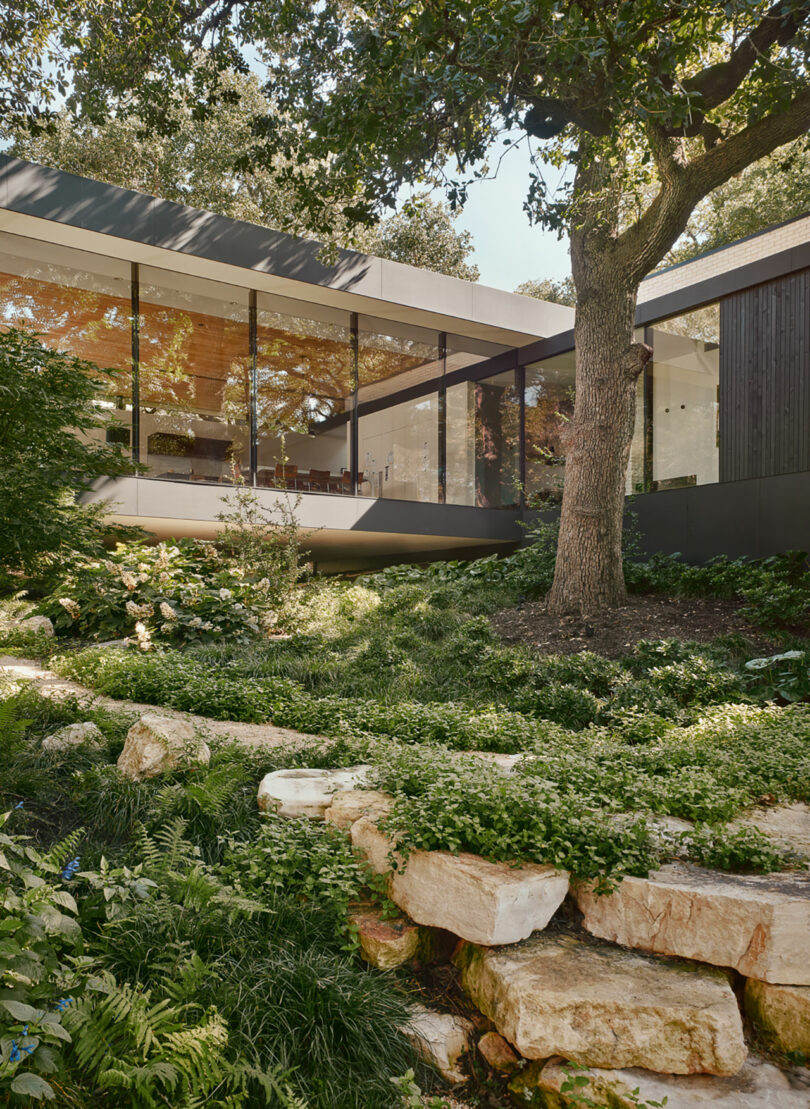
402, 413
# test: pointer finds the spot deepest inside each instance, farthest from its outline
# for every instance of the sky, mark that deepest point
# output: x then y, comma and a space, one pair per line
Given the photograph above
508, 249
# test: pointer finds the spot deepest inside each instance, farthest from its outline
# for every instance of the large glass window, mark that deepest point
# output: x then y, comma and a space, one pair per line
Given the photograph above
194, 377
305, 371
684, 402
483, 442
79, 303
549, 404
398, 448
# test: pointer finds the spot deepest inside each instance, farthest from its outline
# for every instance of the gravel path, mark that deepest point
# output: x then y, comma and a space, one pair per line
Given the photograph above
50, 684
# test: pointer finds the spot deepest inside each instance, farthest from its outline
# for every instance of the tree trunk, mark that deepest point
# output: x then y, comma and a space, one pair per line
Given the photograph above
588, 574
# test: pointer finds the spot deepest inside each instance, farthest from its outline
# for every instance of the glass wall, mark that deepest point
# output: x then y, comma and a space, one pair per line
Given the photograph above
305, 375
684, 404
78, 303
483, 442
398, 446
549, 404
194, 377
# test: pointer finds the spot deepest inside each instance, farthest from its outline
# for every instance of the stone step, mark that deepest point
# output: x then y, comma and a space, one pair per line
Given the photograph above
441, 1039
757, 924
484, 902
604, 1007
758, 1085
306, 792
781, 1013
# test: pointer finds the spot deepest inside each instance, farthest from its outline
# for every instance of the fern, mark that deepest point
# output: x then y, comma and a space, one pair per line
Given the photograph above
155, 1053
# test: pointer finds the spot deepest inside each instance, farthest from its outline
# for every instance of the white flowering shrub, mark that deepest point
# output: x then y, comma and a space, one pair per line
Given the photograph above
177, 592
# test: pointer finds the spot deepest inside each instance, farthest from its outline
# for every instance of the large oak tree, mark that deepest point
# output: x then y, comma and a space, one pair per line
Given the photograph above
673, 93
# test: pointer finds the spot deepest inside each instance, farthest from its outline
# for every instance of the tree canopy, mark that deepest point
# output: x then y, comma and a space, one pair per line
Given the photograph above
205, 161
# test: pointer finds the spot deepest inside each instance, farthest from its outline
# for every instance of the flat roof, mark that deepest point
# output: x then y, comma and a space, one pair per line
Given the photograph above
54, 206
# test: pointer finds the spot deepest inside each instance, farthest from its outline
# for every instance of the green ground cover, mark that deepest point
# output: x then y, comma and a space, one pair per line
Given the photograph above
207, 950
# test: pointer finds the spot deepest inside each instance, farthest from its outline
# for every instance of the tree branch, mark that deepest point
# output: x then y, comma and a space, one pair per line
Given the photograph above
646, 241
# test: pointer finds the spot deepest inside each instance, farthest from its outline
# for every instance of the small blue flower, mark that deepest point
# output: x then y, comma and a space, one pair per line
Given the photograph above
19, 805
63, 1003
16, 1054
71, 868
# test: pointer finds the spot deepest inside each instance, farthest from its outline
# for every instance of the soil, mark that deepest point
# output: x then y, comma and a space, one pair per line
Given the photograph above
616, 632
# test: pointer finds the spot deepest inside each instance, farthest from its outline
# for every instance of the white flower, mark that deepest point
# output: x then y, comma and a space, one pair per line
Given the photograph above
167, 612
129, 580
206, 627
225, 594
70, 607
140, 612
143, 636
195, 623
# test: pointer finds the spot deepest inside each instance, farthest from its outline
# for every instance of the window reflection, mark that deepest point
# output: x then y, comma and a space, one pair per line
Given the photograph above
305, 374
549, 405
194, 377
78, 303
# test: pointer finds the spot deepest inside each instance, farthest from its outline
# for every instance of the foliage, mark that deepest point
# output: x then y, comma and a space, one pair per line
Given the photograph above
263, 548
197, 989
48, 453
176, 592
786, 675
558, 292
773, 190
40, 937
205, 162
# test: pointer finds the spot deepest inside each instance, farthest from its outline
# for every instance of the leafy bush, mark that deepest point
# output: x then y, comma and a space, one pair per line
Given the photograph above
786, 675
174, 592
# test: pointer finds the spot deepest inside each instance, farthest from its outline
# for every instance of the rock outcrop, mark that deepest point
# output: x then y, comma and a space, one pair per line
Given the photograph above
157, 744
348, 806
484, 902
602, 1007
760, 925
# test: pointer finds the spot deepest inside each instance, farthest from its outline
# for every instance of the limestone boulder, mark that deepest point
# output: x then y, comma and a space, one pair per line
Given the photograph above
41, 624
86, 734
757, 1085
157, 744
441, 1039
386, 943
758, 924
781, 1013
498, 1052
603, 1007
484, 902
347, 806
305, 791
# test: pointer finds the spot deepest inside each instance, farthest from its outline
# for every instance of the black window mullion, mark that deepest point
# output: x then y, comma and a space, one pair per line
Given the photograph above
254, 387
442, 391
354, 429
135, 305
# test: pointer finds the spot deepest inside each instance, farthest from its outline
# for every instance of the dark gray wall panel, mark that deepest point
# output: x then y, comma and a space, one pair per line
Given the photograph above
765, 379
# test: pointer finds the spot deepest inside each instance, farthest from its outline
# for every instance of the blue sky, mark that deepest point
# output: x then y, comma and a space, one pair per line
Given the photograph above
508, 249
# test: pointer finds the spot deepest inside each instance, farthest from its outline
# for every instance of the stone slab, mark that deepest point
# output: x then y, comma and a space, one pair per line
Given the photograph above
306, 792
757, 924
757, 1085
484, 902
158, 744
604, 1007
441, 1039
348, 805
386, 944
781, 1013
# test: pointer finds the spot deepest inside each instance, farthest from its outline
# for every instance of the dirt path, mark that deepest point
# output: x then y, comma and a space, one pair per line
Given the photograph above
50, 684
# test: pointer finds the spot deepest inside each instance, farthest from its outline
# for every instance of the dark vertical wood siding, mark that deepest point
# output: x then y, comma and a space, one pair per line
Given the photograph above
765, 379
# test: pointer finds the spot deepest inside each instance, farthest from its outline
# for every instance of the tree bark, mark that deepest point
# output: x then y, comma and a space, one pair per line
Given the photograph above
588, 574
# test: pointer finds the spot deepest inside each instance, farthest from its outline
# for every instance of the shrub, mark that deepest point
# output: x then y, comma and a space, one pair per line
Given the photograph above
174, 592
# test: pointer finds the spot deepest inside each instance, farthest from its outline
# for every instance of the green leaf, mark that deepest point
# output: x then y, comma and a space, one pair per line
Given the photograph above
22, 1012
31, 1085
